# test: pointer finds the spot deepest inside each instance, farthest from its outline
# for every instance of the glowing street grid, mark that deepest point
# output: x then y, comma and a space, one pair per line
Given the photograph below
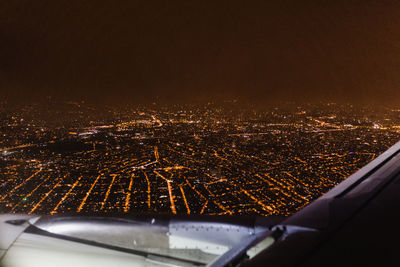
184, 160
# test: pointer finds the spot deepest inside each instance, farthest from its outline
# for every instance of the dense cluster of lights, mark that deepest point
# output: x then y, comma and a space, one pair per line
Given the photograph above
184, 159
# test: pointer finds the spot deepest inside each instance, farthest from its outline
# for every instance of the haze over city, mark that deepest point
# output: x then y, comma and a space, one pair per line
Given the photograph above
191, 51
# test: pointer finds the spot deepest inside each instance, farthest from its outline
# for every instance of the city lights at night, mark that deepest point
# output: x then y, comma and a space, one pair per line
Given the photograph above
185, 159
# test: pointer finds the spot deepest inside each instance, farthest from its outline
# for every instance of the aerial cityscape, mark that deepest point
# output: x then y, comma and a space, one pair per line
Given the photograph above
211, 159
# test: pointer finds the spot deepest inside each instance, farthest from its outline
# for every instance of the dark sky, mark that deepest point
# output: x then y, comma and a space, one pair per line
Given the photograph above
262, 51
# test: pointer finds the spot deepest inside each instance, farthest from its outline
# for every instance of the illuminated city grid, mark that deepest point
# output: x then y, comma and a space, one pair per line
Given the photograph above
211, 159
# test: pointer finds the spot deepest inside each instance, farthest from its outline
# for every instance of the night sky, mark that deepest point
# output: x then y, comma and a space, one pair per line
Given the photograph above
185, 51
